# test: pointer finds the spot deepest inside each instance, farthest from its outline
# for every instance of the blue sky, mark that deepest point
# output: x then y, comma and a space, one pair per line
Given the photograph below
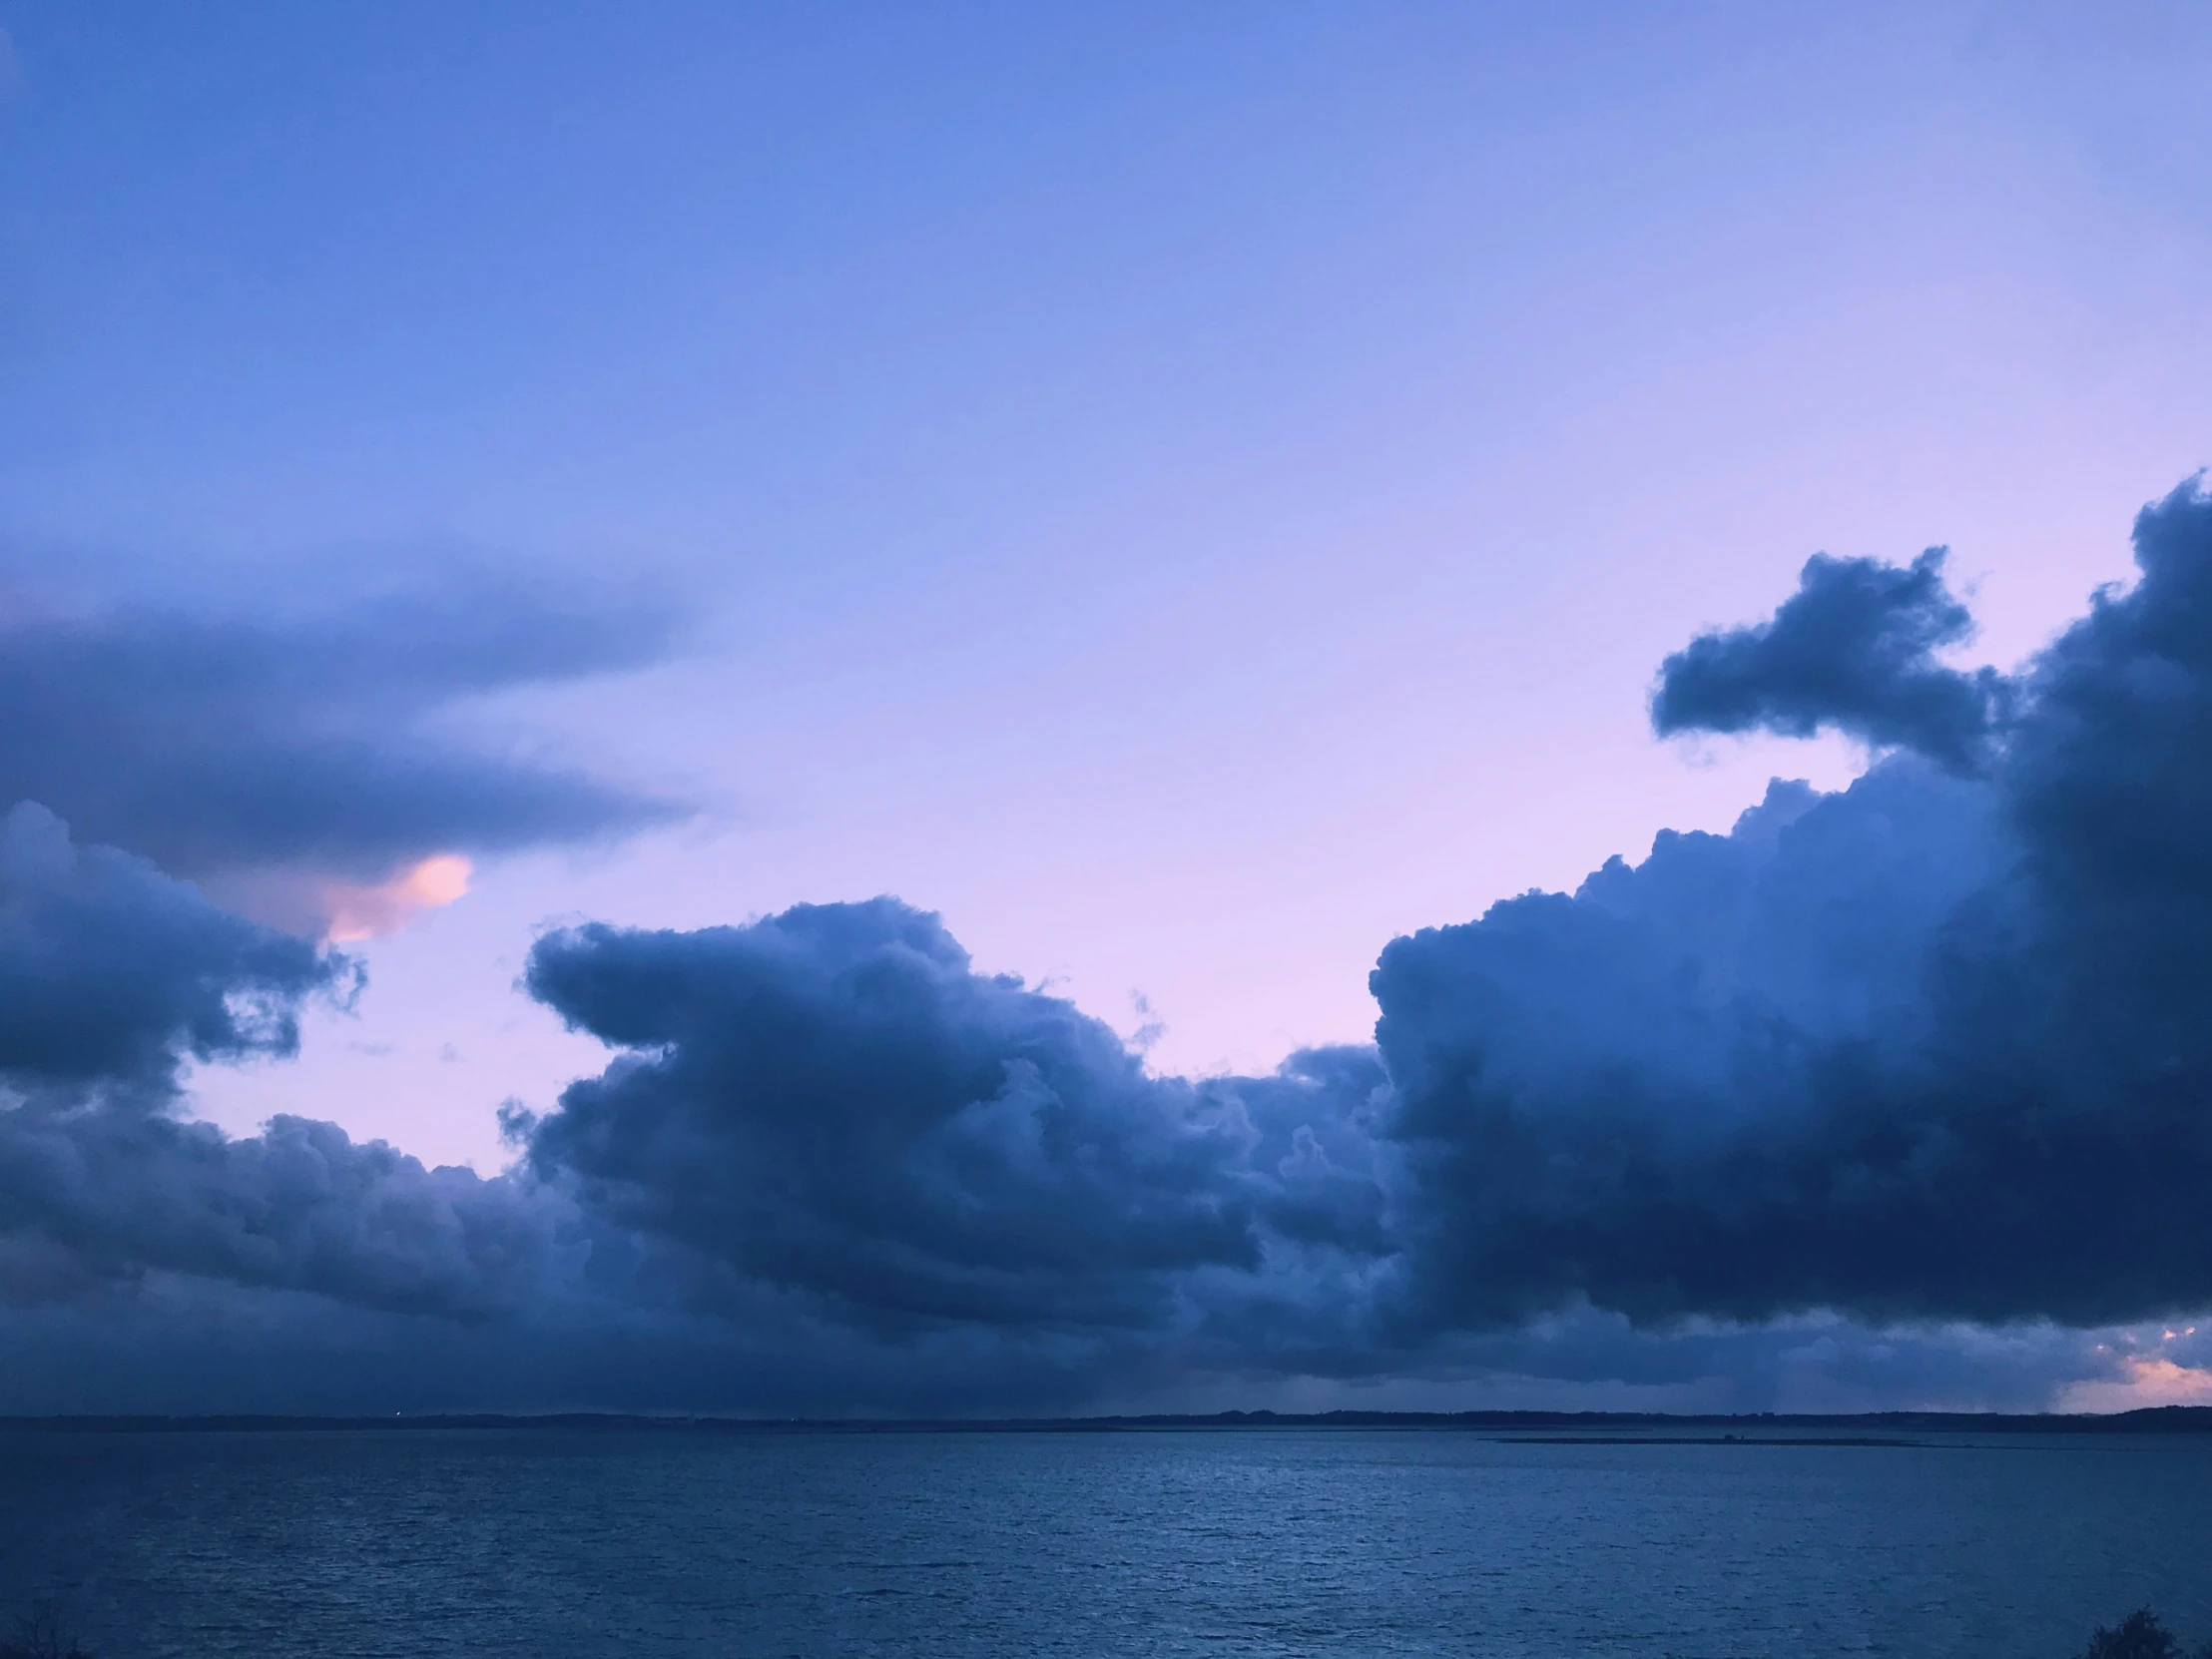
1188, 493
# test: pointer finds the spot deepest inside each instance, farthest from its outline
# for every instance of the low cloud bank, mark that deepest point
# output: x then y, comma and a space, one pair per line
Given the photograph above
1897, 1094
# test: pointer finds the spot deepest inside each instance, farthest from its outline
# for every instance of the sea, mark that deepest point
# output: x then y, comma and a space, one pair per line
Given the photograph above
558, 1543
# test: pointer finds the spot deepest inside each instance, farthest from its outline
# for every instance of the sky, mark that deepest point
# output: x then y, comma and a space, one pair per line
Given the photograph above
1192, 498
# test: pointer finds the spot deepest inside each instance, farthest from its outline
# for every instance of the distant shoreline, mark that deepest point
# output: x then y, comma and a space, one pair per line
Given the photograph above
1597, 1427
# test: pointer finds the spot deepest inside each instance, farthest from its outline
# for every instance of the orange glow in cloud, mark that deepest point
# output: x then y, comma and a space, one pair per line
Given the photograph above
2148, 1382
362, 911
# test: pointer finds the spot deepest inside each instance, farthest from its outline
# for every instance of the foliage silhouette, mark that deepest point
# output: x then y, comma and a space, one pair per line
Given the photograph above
40, 1634
2142, 1636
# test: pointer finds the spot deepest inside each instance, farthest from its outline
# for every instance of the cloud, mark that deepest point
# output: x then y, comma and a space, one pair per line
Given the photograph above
168, 1342
2144, 1382
1932, 1047
1853, 649
1892, 1096
112, 974
832, 1101
309, 752
116, 1194
364, 910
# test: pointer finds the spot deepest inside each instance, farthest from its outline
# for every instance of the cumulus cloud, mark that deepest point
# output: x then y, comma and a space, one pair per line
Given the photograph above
833, 1101
112, 974
240, 750
1863, 1056
1900, 1095
95, 1194
1853, 649
1934, 1046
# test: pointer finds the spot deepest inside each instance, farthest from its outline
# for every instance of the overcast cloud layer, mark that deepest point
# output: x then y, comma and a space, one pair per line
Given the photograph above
1901, 1089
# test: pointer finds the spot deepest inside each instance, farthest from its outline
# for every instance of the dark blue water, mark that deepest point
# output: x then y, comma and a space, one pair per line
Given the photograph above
528, 1542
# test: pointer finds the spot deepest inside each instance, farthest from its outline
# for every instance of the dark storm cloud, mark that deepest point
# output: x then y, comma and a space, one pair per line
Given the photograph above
1935, 1046
1853, 649
99, 1192
2109, 786
166, 1342
1902, 1092
113, 974
214, 746
834, 1102
112, 977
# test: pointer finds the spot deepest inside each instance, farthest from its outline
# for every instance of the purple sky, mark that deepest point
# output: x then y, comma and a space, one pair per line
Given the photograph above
1187, 501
